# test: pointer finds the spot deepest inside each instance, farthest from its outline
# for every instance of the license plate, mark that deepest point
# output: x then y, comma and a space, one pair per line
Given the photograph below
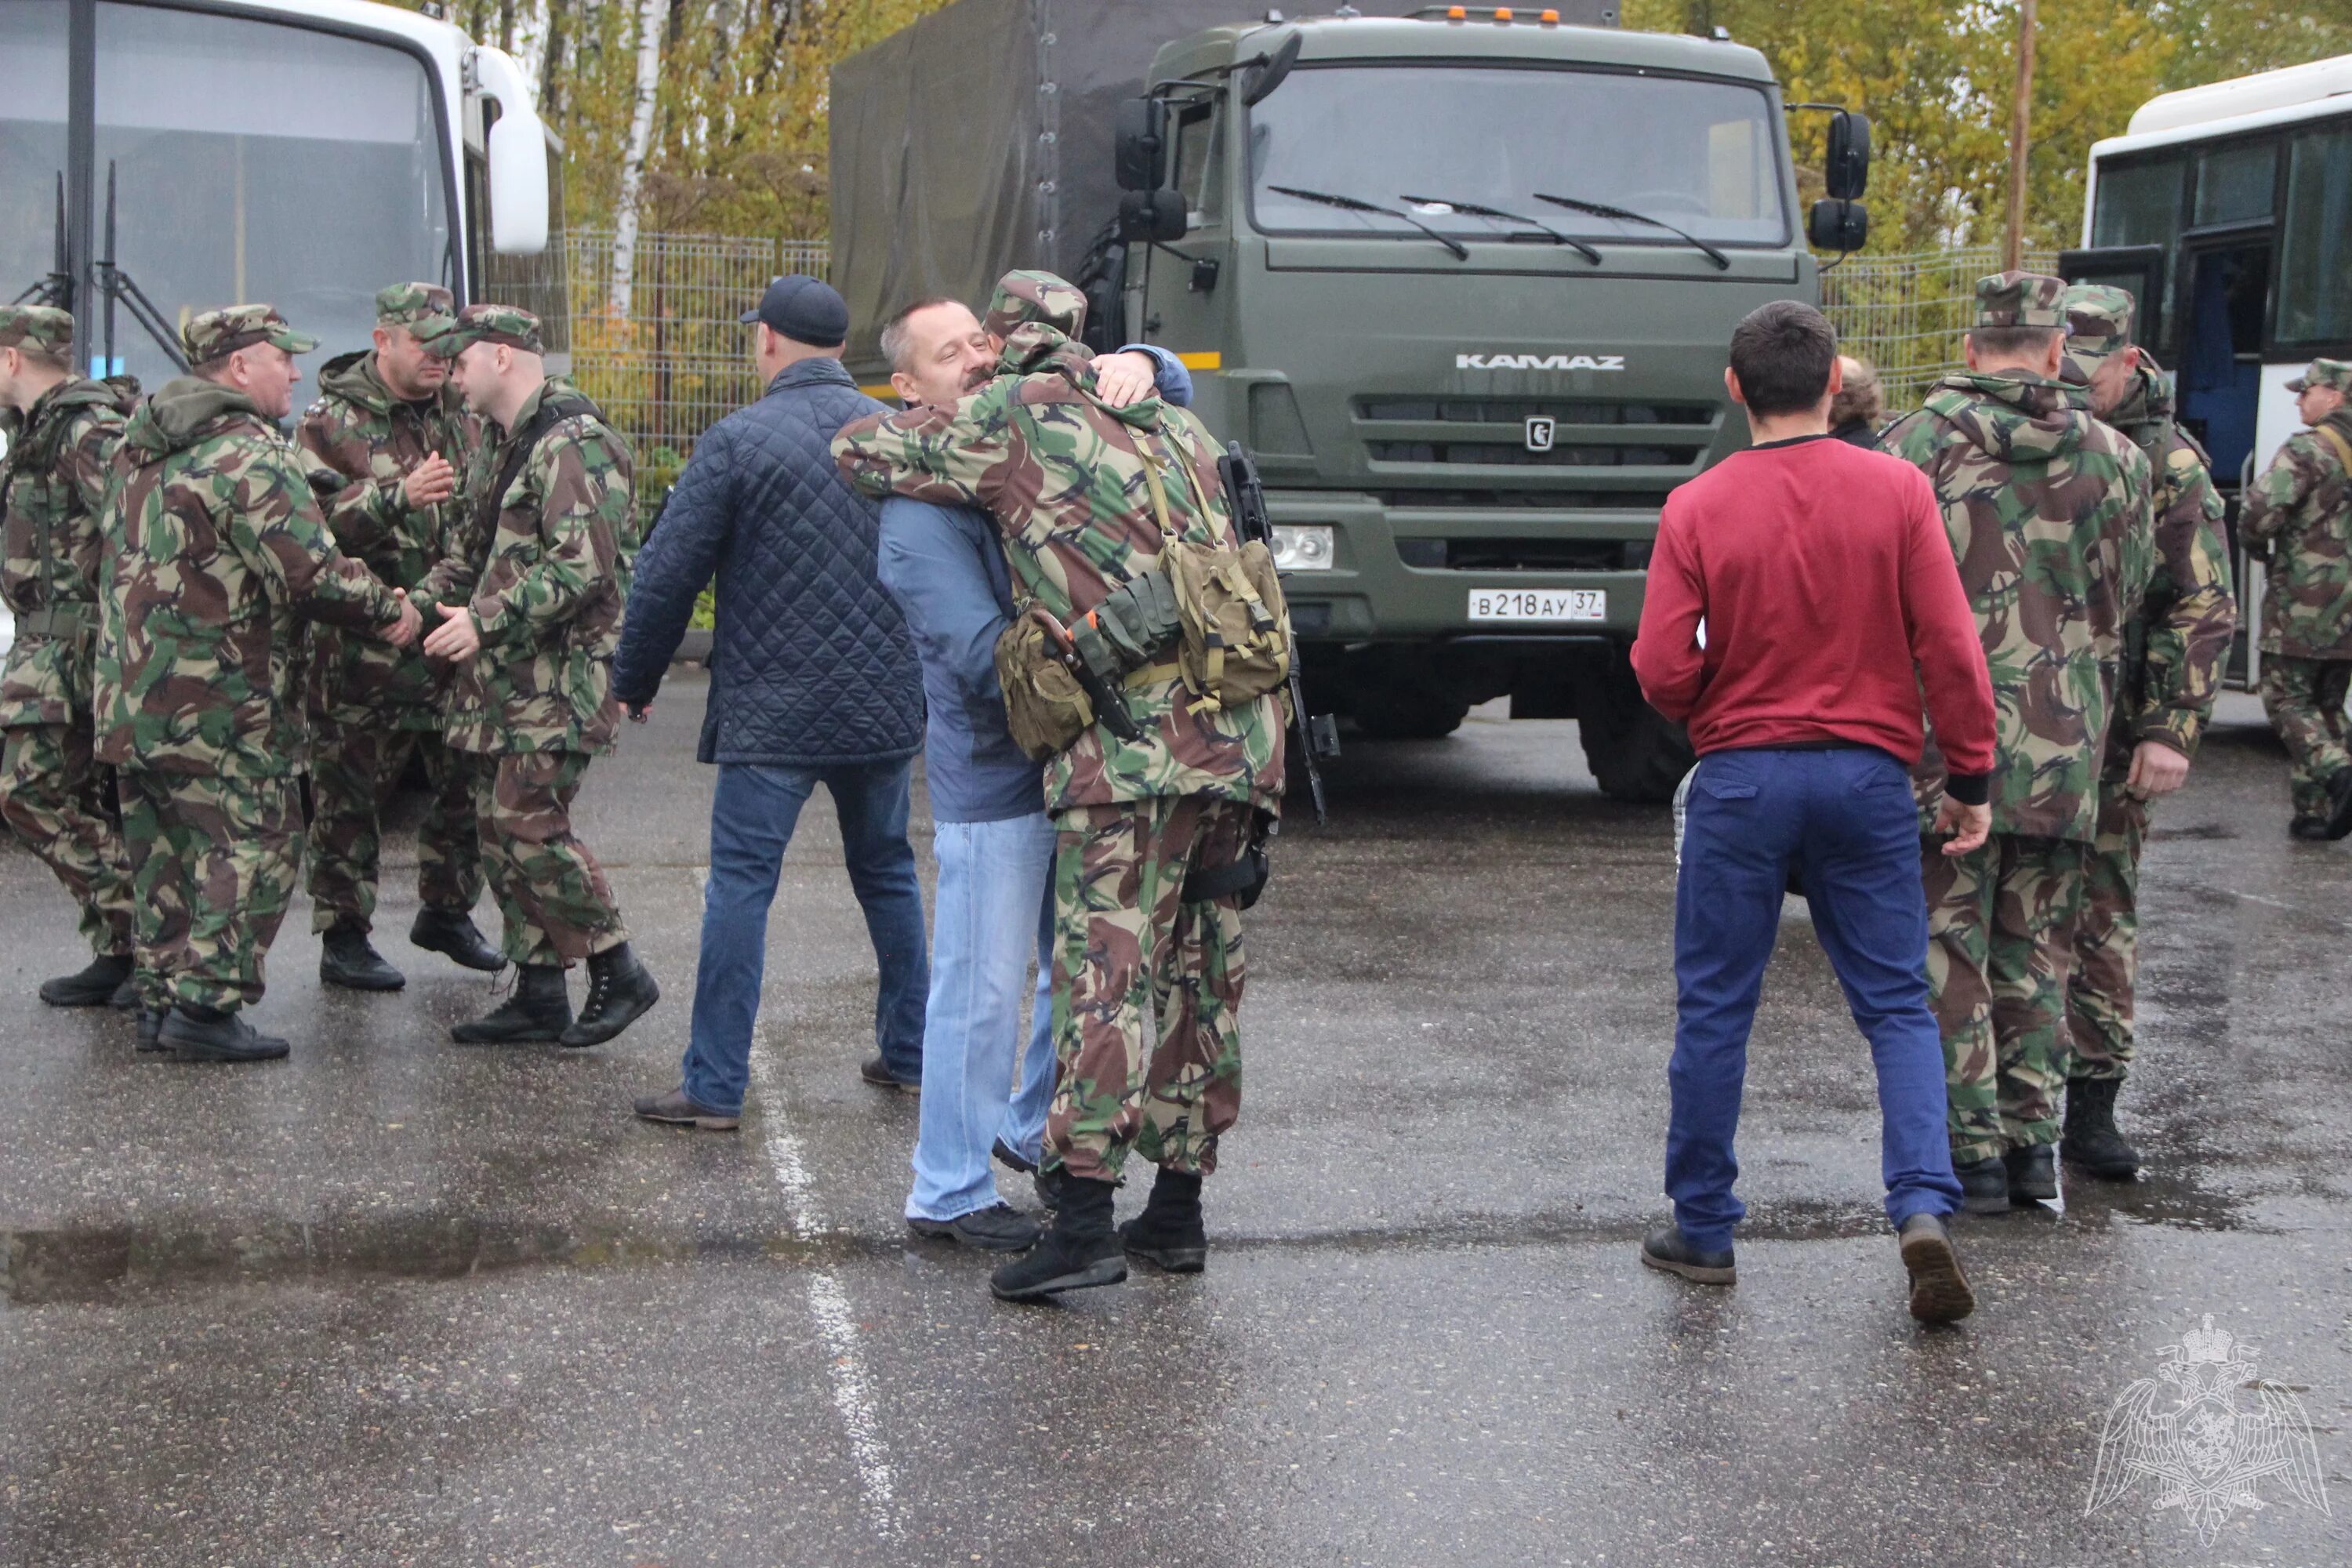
1538, 605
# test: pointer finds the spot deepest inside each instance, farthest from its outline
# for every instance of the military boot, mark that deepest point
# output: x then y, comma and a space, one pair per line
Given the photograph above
538, 1013
208, 1035
453, 934
150, 1030
93, 986
1168, 1232
1984, 1185
620, 992
2032, 1174
1078, 1252
346, 958
2091, 1139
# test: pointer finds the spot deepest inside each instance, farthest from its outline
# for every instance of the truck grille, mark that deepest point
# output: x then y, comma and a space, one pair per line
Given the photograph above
1520, 410
1493, 432
1523, 554
1502, 454
1648, 500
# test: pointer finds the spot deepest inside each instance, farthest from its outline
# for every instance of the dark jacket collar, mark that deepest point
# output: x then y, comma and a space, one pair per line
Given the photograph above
816, 371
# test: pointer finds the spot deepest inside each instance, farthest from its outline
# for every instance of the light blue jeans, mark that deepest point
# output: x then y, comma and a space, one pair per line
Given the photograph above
996, 909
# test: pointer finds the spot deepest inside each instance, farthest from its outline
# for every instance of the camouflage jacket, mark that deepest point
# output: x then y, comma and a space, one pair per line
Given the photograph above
2302, 508
2049, 514
2174, 648
542, 569
52, 489
370, 440
214, 547
1063, 478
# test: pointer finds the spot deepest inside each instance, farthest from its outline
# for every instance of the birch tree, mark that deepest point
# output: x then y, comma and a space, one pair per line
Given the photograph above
651, 15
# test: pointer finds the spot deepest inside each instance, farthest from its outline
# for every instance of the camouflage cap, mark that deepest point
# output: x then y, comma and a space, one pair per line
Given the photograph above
2335, 372
2020, 300
43, 327
487, 323
2099, 323
216, 334
424, 309
1023, 297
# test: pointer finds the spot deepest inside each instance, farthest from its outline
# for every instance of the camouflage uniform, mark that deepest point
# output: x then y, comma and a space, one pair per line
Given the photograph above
540, 567
52, 488
215, 545
2172, 671
1064, 478
2300, 509
2048, 516
374, 707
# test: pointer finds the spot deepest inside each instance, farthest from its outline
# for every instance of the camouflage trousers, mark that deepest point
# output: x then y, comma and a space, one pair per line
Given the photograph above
2106, 942
355, 767
2305, 700
1129, 952
60, 804
552, 895
214, 860
2001, 942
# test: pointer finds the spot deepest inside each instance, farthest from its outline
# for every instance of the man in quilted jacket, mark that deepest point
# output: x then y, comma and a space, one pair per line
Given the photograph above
814, 681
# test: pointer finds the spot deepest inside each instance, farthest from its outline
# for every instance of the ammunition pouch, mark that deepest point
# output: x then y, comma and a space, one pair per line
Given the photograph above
1045, 707
1243, 880
1234, 626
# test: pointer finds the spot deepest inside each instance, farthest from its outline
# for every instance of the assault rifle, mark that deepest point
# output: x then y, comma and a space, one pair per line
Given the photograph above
1311, 736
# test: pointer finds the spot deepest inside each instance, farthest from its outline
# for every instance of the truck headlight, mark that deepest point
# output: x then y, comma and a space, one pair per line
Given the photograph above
1302, 547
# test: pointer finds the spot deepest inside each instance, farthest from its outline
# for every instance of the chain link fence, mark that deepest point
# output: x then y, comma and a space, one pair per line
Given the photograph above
1906, 314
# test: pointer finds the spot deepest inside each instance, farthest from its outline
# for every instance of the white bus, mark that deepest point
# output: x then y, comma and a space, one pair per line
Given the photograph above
2227, 210
161, 157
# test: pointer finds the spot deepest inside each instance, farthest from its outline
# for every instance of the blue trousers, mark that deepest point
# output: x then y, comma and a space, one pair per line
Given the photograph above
1844, 822
994, 912
752, 814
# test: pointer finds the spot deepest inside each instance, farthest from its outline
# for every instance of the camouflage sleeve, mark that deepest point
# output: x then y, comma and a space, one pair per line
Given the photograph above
939, 455
362, 513
585, 510
274, 524
2189, 641
87, 463
464, 547
2278, 491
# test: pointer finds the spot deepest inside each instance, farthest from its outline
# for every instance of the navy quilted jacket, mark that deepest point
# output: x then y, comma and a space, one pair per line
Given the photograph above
811, 664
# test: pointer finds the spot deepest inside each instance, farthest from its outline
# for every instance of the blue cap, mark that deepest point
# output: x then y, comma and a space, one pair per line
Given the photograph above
805, 309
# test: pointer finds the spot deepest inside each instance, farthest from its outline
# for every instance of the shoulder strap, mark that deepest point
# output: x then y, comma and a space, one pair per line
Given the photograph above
553, 409
2335, 441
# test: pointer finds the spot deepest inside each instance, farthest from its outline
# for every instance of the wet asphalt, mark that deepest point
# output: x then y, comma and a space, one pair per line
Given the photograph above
400, 1301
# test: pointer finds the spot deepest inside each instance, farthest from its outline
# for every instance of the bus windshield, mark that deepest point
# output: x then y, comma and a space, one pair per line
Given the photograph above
1702, 156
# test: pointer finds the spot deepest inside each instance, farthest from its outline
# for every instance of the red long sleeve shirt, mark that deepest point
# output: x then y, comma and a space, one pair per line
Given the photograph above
1826, 586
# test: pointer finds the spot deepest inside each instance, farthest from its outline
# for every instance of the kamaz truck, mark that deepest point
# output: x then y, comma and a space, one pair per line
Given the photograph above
1461, 279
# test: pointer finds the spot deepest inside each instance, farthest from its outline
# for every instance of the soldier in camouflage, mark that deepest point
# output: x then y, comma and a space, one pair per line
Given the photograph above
214, 546
2299, 513
395, 433
1075, 488
2048, 512
2173, 650
529, 590
62, 431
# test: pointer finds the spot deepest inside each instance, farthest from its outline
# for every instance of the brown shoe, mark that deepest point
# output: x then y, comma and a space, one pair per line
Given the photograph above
1940, 1288
677, 1109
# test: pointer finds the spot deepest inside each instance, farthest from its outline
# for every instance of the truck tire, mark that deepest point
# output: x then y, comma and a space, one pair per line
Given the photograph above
1639, 754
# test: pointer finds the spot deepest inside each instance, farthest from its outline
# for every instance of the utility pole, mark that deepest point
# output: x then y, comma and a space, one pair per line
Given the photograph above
2020, 130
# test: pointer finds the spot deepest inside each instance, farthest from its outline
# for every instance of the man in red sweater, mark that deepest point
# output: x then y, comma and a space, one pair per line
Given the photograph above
1802, 596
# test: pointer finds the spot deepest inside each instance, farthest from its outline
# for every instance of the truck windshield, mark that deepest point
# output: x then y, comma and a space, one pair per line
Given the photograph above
320, 180
1700, 154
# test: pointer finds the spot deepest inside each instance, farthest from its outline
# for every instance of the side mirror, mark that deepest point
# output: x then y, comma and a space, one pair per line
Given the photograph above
1837, 225
1151, 216
1139, 144
518, 158
1265, 77
1846, 168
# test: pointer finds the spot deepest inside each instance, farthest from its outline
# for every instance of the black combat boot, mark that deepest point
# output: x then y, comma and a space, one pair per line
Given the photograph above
1984, 1185
538, 1013
1078, 1252
91, 987
346, 958
620, 992
208, 1035
453, 934
126, 996
150, 1030
2091, 1139
1169, 1231
2032, 1174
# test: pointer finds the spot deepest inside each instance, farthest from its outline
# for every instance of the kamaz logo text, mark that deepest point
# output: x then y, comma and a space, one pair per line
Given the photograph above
1540, 362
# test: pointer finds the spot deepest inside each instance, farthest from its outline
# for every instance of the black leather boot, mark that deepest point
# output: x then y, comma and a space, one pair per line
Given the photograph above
1169, 1231
1078, 1252
2091, 1139
208, 1035
453, 934
539, 1012
151, 1031
346, 958
93, 986
620, 992
1984, 1187
2032, 1174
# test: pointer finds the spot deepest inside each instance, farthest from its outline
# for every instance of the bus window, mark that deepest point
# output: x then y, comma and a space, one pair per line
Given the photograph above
2315, 281
32, 141
2140, 204
2234, 183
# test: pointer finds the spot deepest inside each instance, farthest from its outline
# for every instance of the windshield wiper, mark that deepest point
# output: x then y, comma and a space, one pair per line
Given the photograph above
1621, 214
1356, 205
1542, 230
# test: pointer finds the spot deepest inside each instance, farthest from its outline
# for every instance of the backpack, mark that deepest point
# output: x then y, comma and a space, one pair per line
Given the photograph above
1233, 644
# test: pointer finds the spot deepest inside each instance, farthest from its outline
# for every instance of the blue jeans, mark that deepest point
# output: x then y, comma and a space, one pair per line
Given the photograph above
751, 818
996, 909
1845, 823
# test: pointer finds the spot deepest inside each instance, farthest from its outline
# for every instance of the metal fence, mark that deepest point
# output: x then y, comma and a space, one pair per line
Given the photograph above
1906, 313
